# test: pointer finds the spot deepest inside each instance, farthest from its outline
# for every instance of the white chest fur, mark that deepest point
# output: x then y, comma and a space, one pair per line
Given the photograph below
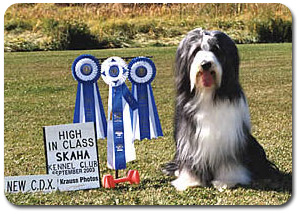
219, 132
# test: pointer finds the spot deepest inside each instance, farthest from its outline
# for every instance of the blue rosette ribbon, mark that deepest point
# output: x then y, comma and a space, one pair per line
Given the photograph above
88, 106
120, 141
146, 123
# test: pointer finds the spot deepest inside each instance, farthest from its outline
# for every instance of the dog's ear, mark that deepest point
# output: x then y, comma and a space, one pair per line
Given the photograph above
229, 50
185, 54
227, 53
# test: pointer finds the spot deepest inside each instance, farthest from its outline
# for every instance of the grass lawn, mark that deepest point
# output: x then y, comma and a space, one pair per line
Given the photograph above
40, 91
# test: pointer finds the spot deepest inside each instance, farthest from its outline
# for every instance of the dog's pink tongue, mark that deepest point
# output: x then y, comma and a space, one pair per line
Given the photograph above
207, 79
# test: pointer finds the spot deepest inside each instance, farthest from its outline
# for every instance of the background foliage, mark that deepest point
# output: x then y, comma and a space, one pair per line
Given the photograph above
30, 27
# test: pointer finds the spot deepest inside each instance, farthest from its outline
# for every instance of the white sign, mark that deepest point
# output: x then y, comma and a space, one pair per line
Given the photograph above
30, 183
72, 155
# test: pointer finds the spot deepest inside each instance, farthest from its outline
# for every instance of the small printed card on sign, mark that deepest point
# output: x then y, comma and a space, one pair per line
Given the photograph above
30, 183
72, 155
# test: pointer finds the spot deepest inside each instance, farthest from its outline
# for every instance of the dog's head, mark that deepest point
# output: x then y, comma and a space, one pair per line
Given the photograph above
207, 60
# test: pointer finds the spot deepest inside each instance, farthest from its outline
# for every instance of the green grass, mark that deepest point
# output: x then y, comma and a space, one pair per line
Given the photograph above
40, 91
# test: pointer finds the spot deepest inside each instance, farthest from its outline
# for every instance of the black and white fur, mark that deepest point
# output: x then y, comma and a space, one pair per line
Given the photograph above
214, 145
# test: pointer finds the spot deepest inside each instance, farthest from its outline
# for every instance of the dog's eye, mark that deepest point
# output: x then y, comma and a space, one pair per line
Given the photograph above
213, 73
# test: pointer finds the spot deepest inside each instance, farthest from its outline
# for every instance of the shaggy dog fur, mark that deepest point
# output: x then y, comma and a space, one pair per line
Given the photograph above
214, 145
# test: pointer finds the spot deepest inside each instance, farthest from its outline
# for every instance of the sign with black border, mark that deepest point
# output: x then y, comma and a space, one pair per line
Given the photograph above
72, 155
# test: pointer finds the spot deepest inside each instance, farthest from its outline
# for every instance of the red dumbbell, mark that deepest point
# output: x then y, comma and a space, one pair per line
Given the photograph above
132, 177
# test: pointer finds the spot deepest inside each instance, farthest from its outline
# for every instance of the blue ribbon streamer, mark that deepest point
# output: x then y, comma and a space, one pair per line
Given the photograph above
143, 97
156, 116
77, 105
102, 111
118, 93
143, 111
118, 135
89, 104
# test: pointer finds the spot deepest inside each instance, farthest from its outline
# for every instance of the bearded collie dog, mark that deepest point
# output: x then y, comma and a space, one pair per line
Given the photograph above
214, 145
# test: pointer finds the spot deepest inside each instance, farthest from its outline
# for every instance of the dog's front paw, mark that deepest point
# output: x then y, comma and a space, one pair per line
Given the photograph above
221, 186
179, 185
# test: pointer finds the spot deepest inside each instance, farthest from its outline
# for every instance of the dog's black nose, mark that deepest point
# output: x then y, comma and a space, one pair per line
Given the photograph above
206, 65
